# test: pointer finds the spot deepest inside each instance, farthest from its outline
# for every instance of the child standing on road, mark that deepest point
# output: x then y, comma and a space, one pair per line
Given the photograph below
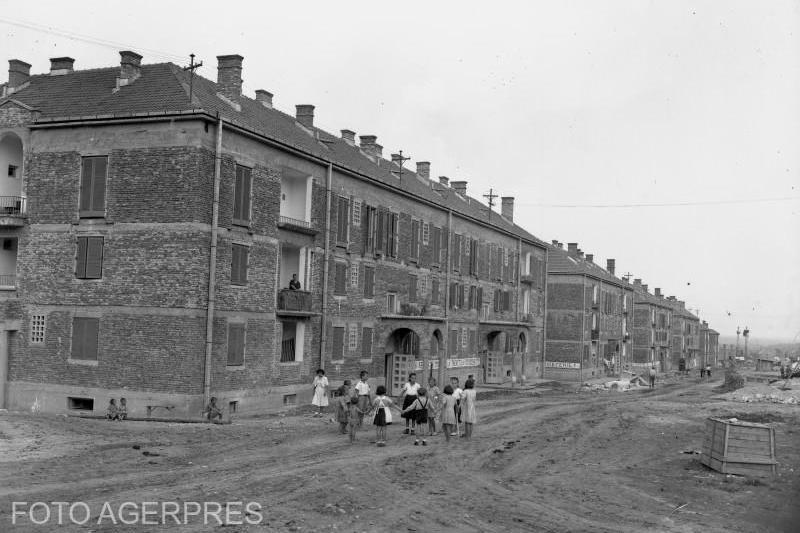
381, 405
320, 387
434, 412
448, 412
470, 416
342, 408
652, 375
353, 416
419, 410
364, 394
409, 395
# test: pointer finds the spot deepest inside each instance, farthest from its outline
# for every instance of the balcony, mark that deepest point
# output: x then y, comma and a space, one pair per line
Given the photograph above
294, 303
8, 282
12, 211
295, 224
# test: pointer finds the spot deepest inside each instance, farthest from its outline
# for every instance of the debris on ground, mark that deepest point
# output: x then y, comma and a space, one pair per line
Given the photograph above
764, 393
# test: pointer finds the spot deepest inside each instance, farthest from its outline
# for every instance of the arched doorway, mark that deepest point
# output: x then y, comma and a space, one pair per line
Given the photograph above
493, 367
11, 169
434, 362
402, 352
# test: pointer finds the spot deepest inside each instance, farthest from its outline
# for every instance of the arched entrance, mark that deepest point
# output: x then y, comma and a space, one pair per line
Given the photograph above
402, 352
11, 168
434, 362
493, 368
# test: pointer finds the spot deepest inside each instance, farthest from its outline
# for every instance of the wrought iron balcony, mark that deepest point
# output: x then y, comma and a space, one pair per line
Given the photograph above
8, 281
12, 210
295, 224
294, 302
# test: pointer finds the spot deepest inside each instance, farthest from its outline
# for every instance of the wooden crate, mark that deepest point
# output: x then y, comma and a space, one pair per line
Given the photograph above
742, 448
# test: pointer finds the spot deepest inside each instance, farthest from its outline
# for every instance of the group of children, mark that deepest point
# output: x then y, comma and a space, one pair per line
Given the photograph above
421, 409
117, 411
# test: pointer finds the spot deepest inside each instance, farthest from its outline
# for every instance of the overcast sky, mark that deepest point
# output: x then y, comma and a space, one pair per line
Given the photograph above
556, 103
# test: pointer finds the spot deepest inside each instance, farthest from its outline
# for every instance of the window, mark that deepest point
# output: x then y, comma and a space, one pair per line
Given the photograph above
464, 337
342, 227
473, 336
236, 344
12, 171
457, 251
473, 257
505, 257
437, 245
337, 349
354, 275
422, 285
340, 282
391, 303
435, 291
485, 312
368, 229
453, 341
241, 196
392, 226
89, 260
414, 252
369, 281
357, 213
239, 257
366, 343
463, 297
426, 233
595, 294
352, 338
412, 288
38, 323
93, 186
85, 332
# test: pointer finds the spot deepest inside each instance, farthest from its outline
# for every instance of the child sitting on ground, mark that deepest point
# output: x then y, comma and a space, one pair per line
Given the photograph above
122, 410
112, 413
212, 411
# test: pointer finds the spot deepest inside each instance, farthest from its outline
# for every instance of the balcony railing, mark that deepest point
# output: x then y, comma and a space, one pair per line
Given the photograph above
294, 301
8, 280
303, 226
12, 210
287, 351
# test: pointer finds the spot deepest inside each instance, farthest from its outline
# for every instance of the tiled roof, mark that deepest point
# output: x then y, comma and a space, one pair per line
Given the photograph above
645, 297
561, 262
164, 87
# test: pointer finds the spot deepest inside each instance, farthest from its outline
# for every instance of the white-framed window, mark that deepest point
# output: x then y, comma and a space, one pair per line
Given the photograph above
391, 303
357, 212
464, 337
352, 337
38, 324
426, 233
484, 311
354, 275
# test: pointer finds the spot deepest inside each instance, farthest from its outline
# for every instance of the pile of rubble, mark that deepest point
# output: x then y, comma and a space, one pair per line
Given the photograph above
623, 384
765, 393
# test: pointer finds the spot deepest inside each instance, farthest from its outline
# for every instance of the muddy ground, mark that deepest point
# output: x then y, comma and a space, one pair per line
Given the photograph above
548, 459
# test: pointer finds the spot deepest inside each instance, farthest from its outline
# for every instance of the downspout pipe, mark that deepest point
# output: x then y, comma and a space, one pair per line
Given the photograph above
212, 266
448, 349
544, 315
323, 341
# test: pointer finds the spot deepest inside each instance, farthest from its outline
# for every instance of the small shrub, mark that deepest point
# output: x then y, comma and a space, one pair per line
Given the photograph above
733, 380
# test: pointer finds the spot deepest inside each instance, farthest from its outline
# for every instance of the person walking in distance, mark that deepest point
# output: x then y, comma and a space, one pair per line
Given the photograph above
652, 376
457, 396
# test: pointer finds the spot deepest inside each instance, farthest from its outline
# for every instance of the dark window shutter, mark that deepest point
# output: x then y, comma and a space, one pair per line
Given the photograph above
453, 341
94, 258
412, 288
93, 185
337, 349
342, 220
84, 338
414, 252
380, 232
80, 258
497, 300
366, 343
473, 297
437, 245
86, 184
366, 229
239, 256
340, 283
236, 333
369, 282
435, 292
479, 303
395, 223
241, 194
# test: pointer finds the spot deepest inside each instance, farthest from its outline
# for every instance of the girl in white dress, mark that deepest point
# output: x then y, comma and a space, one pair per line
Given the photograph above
320, 385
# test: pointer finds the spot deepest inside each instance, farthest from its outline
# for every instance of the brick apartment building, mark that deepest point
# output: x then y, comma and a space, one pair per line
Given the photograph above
588, 316
152, 220
651, 329
708, 345
685, 336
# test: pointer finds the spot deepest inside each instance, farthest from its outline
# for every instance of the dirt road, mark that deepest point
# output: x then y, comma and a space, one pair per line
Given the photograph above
557, 461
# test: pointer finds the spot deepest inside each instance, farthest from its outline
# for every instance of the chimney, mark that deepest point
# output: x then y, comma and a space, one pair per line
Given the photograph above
444, 180
637, 282
61, 65
397, 159
507, 207
611, 264
590, 258
460, 187
130, 66
681, 303
424, 169
561, 245
305, 115
18, 73
671, 298
368, 144
229, 76
572, 248
349, 137
644, 287
265, 97
378, 150
580, 253
657, 292
555, 242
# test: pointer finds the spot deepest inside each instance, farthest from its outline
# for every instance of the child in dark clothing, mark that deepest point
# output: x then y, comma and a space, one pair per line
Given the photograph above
353, 417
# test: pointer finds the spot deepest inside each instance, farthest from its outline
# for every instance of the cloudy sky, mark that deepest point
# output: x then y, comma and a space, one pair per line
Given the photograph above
663, 134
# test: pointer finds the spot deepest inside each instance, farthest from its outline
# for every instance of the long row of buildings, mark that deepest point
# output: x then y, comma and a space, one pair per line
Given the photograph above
152, 220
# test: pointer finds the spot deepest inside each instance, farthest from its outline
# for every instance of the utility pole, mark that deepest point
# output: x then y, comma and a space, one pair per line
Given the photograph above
746, 335
191, 68
400, 160
736, 353
490, 201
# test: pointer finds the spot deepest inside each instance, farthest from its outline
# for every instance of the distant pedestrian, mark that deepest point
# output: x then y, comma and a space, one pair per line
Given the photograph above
364, 394
457, 395
708, 371
702, 372
122, 409
652, 376
469, 414
419, 410
112, 412
434, 413
320, 387
449, 407
354, 414
213, 412
342, 408
409, 394
381, 405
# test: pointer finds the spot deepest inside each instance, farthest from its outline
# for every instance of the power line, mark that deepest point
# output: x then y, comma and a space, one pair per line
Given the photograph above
667, 204
89, 39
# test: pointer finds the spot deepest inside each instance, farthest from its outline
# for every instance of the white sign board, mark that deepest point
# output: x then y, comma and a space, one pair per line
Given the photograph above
560, 364
451, 363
